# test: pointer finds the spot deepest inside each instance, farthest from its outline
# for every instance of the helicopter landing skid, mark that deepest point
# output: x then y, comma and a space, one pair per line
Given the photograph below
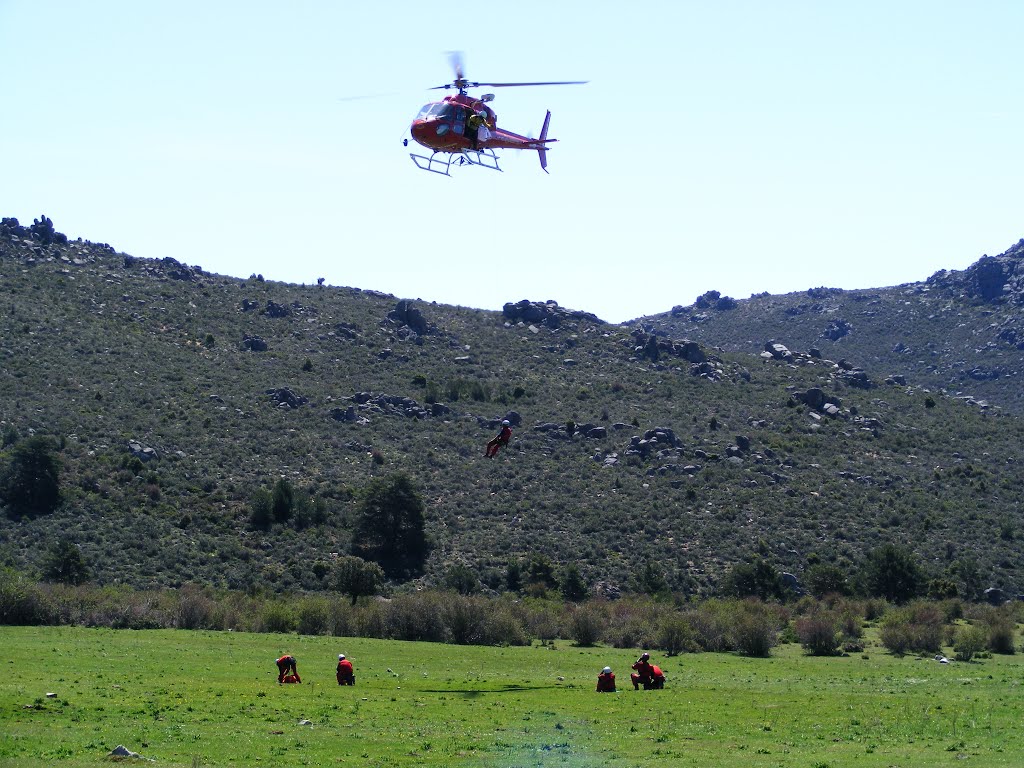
485, 158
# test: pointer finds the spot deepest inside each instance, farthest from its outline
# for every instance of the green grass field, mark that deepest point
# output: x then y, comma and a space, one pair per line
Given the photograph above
202, 698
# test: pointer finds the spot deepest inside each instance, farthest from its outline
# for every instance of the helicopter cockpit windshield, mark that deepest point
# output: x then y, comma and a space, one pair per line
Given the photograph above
437, 110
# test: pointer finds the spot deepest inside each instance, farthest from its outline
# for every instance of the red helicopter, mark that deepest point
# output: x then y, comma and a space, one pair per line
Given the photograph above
464, 130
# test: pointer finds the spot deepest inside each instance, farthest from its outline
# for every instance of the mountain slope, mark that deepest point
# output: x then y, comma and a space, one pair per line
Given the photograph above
178, 393
958, 332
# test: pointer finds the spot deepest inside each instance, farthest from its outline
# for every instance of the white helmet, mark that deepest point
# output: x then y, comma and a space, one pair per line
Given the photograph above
606, 671
341, 656
505, 423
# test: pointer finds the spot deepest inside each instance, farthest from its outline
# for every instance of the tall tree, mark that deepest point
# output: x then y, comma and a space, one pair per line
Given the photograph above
892, 572
390, 529
649, 579
283, 500
31, 480
355, 577
756, 579
64, 564
573, 587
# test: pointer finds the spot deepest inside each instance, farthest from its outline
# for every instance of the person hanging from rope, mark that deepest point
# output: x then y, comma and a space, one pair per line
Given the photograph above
499, 440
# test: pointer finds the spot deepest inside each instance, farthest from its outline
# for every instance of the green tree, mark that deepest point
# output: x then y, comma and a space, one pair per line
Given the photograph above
574, 588
30, 484
756, 579
462, 579
64, 564
892, 572
650, 579
513, 576
283, 501
968, 575
540, 573
825, 579
261, 509
356, 578
390, 529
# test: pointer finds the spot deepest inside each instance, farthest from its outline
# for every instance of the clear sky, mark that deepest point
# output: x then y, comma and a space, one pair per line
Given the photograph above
737, 146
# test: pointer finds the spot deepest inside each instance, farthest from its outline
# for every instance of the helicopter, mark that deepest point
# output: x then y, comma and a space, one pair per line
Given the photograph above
462, 129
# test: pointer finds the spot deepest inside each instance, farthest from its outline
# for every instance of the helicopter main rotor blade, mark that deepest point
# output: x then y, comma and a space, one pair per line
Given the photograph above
514, 85
473, 84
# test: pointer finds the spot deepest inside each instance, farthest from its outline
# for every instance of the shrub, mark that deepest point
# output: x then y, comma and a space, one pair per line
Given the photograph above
819, 633
21, 603
969, 640
465, 619
261, 505
1001, 632
675, 635
631, 624
543, 620
711, 621
896, 636
504, 626
282, 500
195, 610
573, 587
314, 616
372, 620
875, 609
585, 624
753, 631
276, 616
917, 627
419, 616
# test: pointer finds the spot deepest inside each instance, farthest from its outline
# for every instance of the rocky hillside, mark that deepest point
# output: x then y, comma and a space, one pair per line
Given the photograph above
960, 333
680, 444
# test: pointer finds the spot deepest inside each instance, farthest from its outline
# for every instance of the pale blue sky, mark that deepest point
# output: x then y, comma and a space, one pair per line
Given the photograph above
737, 146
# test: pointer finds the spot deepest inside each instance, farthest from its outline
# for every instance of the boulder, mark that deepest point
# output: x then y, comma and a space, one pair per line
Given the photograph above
792, 584
995, 596
405, 313
254, 343
546, 313
344, 414
286, 398
836, 330
276, 310
142, 452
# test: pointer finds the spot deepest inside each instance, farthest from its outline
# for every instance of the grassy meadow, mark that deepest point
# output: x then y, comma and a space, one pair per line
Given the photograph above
187, 698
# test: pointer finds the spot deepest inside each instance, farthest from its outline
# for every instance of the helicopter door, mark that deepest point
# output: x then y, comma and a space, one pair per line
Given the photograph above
459, 124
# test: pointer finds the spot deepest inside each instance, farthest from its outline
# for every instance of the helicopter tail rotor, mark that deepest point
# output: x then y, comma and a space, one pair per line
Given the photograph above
542, 152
